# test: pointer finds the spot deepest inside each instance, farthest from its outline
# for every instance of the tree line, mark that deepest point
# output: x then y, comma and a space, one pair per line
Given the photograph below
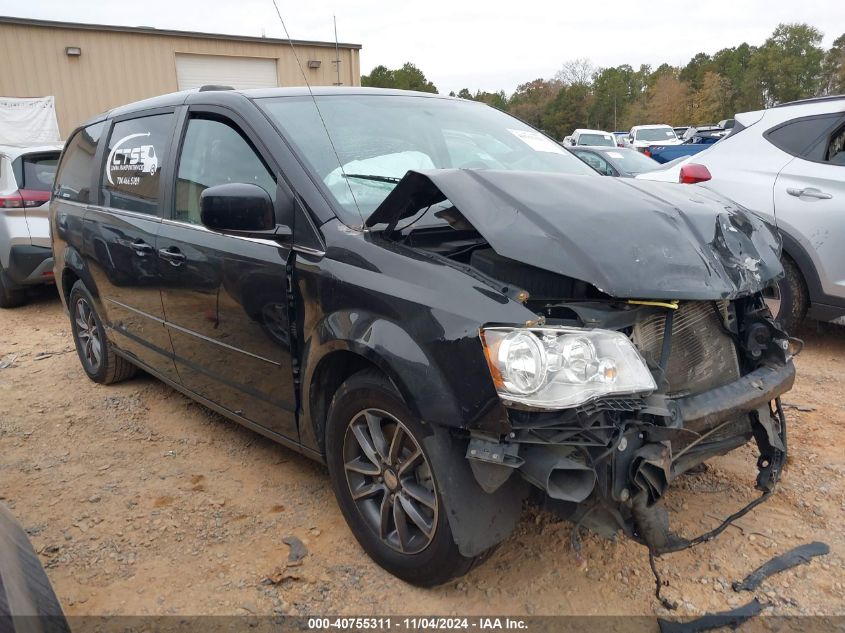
791, 64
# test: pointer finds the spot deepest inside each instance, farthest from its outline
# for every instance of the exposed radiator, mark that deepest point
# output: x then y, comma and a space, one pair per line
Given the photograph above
702, 355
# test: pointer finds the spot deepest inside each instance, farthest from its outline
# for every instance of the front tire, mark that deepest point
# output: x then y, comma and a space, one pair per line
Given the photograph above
384, 483
95, 351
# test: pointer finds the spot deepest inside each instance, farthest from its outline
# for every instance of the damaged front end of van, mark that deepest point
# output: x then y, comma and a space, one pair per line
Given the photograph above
646, 347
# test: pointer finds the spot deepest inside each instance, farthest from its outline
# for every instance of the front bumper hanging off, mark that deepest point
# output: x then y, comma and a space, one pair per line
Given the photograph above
652, 521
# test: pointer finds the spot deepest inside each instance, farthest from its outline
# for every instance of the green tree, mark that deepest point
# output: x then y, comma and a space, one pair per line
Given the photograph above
496, 99
530, 100
789, 63
693, 73
568, 111
613, 90
735, 65
408, 77
380, 77
833, 69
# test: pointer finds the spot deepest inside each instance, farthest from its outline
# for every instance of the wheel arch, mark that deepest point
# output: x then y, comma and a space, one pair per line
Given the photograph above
346, 342
72, 269
793, 249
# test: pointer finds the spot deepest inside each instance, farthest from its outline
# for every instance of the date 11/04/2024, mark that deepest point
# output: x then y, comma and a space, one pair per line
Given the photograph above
418, 623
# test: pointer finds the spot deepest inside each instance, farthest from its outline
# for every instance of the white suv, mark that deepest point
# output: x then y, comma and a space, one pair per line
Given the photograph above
642, 137
787, 163
26, 180
590, 137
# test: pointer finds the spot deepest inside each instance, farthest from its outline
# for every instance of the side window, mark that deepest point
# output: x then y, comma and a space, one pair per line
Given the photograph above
596, 162
835, 150
215, 153
807, 137
73, 179
136, 154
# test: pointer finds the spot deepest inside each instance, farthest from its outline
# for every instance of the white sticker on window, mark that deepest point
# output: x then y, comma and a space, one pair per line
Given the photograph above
127, 161
537, 141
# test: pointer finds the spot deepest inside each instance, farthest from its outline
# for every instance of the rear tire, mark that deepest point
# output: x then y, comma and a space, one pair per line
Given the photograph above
95, 351
10, 297
374, 447
788, 300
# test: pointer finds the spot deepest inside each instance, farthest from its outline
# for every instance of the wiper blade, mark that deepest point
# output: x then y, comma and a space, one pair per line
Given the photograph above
390, 179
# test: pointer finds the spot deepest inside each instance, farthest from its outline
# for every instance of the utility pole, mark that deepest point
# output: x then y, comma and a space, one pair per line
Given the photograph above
336, 52
614, 114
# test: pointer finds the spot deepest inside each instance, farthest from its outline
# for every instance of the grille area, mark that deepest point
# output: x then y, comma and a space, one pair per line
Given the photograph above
702, 355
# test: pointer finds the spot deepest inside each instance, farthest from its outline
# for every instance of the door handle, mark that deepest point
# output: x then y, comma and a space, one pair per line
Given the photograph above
809, 192
172, 255
141, 248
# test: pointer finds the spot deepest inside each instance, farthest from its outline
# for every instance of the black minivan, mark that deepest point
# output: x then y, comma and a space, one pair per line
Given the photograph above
433, 298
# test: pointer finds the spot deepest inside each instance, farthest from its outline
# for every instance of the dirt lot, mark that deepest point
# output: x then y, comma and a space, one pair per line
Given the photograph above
142, 502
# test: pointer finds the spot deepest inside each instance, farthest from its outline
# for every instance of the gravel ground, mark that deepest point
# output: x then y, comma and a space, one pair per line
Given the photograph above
139, 501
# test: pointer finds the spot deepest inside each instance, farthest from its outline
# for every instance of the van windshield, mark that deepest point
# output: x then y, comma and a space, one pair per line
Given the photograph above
379, 138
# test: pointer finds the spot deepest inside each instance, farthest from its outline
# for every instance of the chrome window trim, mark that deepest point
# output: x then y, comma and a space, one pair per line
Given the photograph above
173, 326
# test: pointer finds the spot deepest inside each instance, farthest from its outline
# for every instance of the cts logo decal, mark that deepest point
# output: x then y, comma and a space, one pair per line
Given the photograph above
127, 162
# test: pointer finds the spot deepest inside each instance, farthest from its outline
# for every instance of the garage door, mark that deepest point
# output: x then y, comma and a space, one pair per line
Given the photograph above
193, 71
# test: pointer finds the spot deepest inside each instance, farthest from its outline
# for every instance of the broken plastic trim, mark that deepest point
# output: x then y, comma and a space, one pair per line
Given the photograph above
796, 556
769, 465
732, 619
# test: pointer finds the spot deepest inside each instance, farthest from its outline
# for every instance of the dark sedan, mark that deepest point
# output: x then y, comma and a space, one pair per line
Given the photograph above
615, 161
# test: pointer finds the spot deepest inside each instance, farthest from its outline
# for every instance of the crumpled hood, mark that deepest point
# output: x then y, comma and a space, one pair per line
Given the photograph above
629, 238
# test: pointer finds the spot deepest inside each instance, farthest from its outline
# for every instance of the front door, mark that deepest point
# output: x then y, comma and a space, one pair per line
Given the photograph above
119, 239
225, 298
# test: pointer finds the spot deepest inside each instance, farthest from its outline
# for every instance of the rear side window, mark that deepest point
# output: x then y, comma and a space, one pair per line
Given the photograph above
215, 153
39, 171
136, 153
806, 137
73, 180
835, 149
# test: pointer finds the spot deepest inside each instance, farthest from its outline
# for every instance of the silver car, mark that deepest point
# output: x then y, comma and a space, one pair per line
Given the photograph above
26, 180
787, 163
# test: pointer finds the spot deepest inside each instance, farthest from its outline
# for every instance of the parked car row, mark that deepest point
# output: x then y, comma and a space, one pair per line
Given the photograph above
694, 140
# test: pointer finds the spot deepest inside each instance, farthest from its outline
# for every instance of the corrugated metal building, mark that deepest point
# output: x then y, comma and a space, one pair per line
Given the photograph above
91, 68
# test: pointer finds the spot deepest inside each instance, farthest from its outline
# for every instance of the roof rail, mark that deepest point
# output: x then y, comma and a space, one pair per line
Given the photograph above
811, 100
212, 87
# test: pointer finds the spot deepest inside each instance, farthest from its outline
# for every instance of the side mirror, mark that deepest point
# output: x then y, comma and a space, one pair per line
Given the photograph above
243, 209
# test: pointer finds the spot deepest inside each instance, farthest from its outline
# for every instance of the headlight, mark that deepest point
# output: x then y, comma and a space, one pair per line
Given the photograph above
558, 368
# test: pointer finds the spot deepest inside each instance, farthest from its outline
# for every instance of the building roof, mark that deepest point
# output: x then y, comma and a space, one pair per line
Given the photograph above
148, 30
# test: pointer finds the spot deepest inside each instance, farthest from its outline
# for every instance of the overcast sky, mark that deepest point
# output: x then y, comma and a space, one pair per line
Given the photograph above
475, 44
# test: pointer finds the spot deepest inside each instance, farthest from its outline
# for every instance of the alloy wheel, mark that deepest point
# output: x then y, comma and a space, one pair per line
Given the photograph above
88, 335
390, 481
